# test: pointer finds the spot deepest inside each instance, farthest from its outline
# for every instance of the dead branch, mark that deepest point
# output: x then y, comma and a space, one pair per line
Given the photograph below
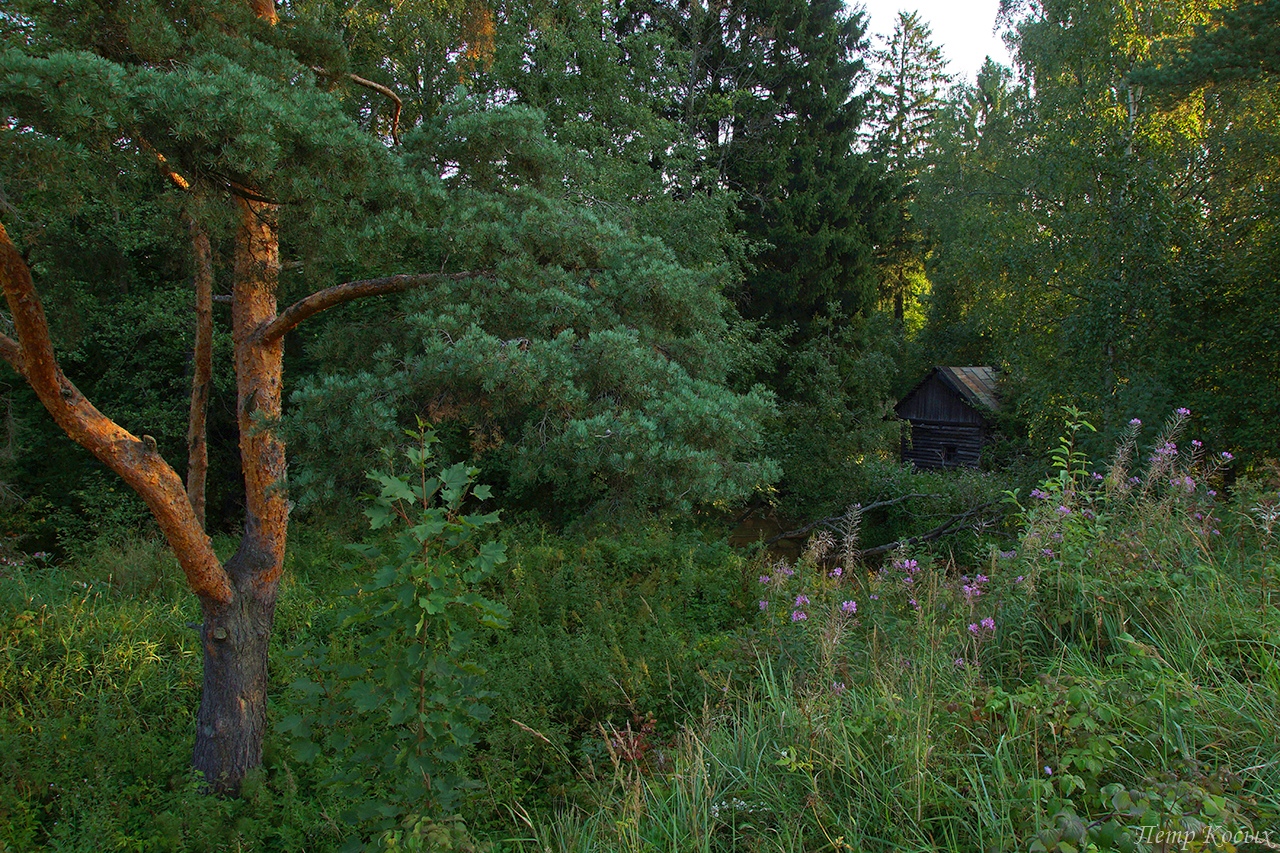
952, 525
381, 90
831, 521
12, 353
340, 293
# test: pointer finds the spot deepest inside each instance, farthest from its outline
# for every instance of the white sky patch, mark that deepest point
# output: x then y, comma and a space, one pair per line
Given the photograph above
963, 28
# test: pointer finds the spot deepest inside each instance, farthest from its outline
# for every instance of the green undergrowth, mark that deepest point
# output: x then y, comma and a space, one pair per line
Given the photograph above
1109, 673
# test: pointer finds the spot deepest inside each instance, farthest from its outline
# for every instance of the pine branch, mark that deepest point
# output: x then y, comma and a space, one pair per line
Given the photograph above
342, 293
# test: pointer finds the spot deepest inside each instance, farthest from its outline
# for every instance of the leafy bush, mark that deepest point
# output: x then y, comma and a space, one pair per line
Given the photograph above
399, 706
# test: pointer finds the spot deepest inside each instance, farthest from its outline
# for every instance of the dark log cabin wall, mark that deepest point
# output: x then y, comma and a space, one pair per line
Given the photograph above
947, 430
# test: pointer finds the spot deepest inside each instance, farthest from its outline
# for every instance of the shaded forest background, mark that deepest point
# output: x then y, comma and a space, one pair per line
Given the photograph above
723, 240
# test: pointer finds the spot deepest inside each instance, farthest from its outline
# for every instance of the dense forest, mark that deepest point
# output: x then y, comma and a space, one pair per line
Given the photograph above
387, 381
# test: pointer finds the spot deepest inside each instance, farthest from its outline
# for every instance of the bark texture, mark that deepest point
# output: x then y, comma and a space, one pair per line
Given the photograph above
232, 720
202, 372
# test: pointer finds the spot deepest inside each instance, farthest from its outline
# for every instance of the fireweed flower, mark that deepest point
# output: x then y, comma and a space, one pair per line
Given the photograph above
849, 607
798, 616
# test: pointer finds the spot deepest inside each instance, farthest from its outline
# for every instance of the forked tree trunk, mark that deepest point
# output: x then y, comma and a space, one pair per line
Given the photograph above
236, 634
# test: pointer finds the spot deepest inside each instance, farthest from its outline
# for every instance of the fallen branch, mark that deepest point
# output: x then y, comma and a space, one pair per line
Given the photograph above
831, 521
947, 528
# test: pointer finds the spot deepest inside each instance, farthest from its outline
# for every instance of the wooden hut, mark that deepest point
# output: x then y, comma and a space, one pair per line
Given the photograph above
949, 415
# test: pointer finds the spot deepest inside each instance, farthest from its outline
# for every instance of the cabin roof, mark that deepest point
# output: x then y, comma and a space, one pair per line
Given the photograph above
975, 385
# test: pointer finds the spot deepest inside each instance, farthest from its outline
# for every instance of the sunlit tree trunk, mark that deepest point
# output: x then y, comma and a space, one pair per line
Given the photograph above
236, 634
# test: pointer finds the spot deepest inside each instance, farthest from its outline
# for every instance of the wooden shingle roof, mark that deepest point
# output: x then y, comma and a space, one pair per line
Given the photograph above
976, 384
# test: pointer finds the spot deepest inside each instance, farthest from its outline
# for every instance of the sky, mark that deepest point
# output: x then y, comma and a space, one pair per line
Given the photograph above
963, 28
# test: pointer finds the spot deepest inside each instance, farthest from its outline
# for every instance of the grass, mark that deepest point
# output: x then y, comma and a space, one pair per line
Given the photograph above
1132, 679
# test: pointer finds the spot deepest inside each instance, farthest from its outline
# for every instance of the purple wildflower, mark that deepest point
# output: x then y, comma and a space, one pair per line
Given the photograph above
1048, 552
989, 624
764, 605
1213, 493
875, 598
849, 607
802, 600
1135, 423
1064, 511
837, 687
1182, 411
913, 603
1008, 555
1197, 443
765, 579
1019, 579
1039, 494
798, 615
1097, 476
973, 628
960, 662
982, 579
837, 572
1226, 456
